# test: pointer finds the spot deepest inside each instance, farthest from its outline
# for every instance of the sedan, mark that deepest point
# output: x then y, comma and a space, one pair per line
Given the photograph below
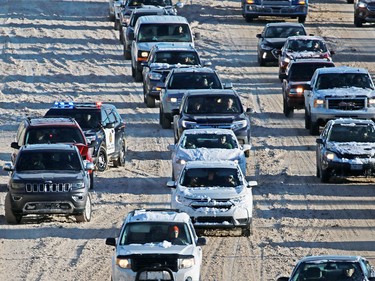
208, 144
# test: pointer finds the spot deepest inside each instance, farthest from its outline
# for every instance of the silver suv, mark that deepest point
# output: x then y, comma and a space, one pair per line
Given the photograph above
335, 92
157, 244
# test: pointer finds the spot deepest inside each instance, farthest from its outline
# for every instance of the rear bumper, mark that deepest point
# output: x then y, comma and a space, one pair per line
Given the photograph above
285, 11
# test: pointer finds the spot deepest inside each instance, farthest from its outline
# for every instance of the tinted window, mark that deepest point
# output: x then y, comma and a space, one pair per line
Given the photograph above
47, 160
352, 133
194, 81
164, 33
218, 177
138, 3
213, 104
304, 72
175, 57
54, 135
283, 32
317, 46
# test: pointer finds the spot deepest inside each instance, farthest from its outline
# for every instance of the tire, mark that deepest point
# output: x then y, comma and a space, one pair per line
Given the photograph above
138, 76
302, 19
150, 102
10, 217
314, 128
261, 61
102, 161
324, 176
92, 180
307, 120
248, 18
288, 111
350, 1
121, 36
357, 22
86, 215
164, 121
117, 24
133, 72
173, 175
127, 54
120, 161
111, 17
247, 231
175, 137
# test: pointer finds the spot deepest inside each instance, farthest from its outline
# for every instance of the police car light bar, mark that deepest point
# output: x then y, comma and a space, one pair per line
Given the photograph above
70, 104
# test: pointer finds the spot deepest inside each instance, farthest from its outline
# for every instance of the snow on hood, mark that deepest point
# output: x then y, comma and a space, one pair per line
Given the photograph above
209, 154
306, 54
351, 92
146, 46
164, 247
212, 192
353, 148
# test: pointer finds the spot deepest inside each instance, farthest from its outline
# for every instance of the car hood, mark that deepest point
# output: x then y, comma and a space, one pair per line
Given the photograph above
275, 42
209, 154
347, 92
146, 46
352, 148
211, 193
223, 118
54, 176
161, 248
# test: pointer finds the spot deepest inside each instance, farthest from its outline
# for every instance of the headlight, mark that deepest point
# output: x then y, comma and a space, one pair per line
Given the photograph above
144, 54
296, 91
172, 100
78, 185
180, 161
362, 5
371, 102
286, 60
18, 185
239, 125
185, 263
318, 103
330, 155
123, 263
188, 124
250, 1
154, 76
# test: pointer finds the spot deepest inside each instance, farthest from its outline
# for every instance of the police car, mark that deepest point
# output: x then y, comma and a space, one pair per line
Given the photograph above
103, 127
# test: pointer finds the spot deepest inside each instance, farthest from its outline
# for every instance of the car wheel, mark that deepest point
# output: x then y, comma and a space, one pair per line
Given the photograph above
350, 1
117, 24
102, 161
164, 121
120, 161
288, 111
92, 180
317, 170
126, 52
324, 175
307, 120
86, 215
247, 230
261, 61
302, 19
10, 217
248, 18
150, 102
173, 175
314, 128
138, 76
133, 72
111, 17
357, 22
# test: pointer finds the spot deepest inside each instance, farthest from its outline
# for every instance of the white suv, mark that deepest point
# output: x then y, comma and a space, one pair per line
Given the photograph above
215, 195
157, 244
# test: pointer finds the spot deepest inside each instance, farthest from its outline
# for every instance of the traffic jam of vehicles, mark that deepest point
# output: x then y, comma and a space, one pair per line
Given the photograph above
55, 158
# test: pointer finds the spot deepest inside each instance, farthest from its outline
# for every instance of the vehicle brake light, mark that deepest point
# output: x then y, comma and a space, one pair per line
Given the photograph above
98, 104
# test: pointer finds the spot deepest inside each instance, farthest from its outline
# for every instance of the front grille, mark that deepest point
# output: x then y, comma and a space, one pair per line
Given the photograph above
213, 220
213, 125
222, 204
276, 3
346, 104
48, 187
154, 260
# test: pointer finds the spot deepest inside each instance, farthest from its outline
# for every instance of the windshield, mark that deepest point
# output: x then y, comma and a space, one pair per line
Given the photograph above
164, 33
343, 80
194, 80
352, 133
329, 270
210, 104
224, 141
155, 232
48, 160
304, 72
54, 135
209, 177
283, 31
306, 45
175, 57
138, 3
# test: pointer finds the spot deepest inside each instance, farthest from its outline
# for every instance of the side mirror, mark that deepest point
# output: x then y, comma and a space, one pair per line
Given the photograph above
171, 184
201, 241
207, 63
319, 141
252, 184
171, 147
110, 241
89, 166
259, 35
8, 167
14, 145
246, 148
278, 52
228, 85
179, 5
197, 36
249, 111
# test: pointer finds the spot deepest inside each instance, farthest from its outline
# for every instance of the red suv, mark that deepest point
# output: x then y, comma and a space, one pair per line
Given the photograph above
52, 130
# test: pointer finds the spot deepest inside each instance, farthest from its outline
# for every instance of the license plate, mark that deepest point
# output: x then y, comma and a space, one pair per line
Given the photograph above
155, 275
356, 166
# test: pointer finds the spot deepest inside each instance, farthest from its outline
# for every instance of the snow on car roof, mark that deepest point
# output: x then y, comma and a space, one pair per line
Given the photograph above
159, 215
341, 69
213, 131
352, 121
330, 258
211, 164
305, 37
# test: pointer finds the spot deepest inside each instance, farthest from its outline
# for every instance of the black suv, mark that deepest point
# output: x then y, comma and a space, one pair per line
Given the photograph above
297, 75
103, 127
52, 130
48, 179
163, 58
364, 11
212, 109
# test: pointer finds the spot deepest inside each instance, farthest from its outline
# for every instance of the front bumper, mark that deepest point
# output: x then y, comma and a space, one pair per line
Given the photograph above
323, 115
285, 11
348, 167
296, 101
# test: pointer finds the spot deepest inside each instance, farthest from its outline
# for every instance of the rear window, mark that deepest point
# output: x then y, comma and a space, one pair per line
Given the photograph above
54, 135
194, 80
87, 119
175, 57
138, 3
304, 72
164, 33
283, 31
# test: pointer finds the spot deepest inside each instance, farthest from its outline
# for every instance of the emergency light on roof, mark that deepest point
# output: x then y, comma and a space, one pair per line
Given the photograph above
70, 104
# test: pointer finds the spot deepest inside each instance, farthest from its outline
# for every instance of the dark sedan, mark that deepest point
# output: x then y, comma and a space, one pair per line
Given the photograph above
273, 38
